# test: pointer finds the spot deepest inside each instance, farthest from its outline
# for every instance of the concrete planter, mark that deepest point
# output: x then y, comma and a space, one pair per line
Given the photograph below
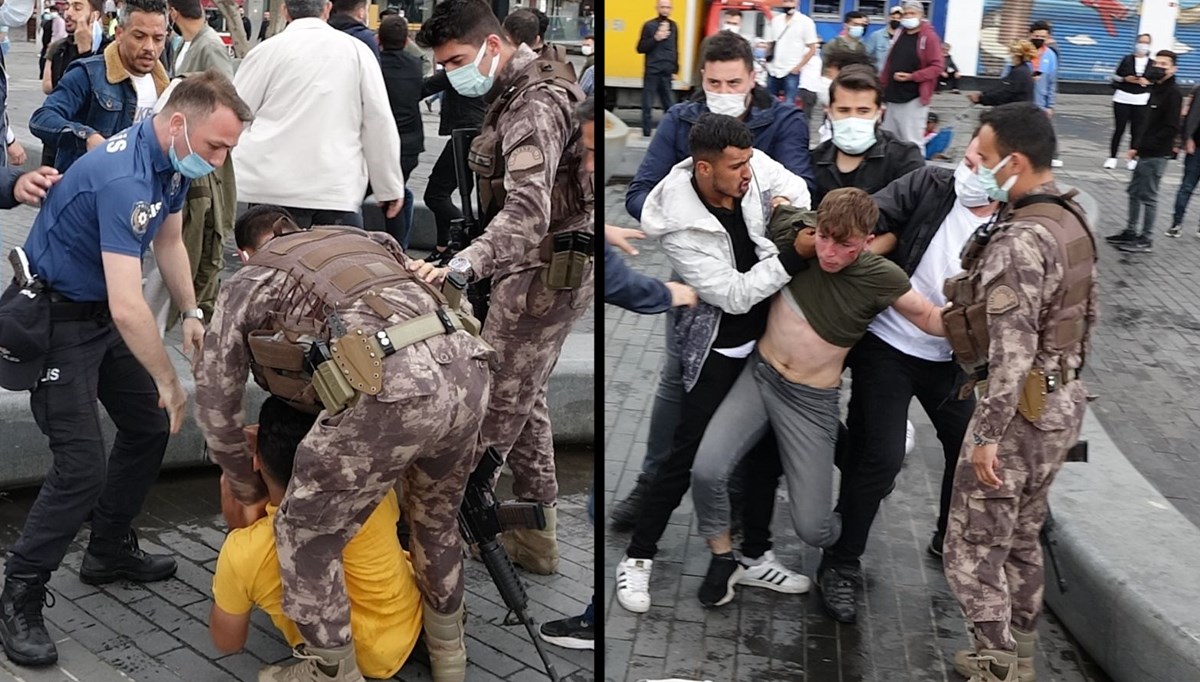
615, 135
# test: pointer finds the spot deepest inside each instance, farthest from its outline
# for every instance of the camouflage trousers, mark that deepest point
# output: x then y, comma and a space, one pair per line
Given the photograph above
993, 556
527, 324
344, 468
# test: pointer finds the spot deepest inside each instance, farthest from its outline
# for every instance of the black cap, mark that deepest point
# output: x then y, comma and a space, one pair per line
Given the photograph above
24, 336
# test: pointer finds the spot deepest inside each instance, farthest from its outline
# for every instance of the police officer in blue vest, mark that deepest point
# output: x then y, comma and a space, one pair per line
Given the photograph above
86, 245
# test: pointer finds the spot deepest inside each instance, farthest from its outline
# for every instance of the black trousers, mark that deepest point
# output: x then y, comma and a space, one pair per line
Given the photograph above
674, 476
1124, 115
439, 190
885, 381
655, 86
89, 360
400, 227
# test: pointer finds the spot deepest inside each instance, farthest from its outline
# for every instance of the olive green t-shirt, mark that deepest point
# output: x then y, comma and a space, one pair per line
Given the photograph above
840, 305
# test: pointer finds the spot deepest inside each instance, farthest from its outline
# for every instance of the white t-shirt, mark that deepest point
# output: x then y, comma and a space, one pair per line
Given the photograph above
182, 53
147, 95
810, 75
941, 261
792, 39
1122, 97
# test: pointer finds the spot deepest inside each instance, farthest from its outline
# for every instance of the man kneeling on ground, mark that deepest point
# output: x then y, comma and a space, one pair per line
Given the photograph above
385, 605
792, 380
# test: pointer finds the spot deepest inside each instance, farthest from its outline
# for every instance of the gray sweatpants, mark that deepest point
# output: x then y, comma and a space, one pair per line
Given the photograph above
805, 420
907, 121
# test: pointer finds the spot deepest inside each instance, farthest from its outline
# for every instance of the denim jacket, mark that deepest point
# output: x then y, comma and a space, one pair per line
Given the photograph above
95, 95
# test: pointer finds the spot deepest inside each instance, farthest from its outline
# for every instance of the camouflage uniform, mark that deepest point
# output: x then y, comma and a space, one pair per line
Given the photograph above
993, 558
528, 323
422, 429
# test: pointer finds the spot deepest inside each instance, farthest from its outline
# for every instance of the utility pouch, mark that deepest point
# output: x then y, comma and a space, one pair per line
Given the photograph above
966, 331
360, 360
557, 274
581, 254
1033, 395
331, 385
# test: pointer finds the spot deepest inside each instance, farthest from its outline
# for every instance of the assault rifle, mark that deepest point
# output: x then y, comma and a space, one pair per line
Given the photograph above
481, 520
468, 228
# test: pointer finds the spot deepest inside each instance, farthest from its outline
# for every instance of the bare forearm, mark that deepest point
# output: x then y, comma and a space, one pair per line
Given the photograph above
175, 268
140, 332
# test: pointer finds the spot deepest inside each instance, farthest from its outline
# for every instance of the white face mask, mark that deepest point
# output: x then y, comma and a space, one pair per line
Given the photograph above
729, 104
731, 28
968, 188
910, 22
854, 135
587, 50
1142, 49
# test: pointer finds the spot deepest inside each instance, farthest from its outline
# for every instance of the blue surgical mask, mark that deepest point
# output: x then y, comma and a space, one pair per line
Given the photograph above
968, 187
987, 178
97, 35
192, 166
854, 135
855, 31
469, 81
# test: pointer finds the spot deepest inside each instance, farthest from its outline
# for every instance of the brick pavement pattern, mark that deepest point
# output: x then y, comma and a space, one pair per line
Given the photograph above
909, 623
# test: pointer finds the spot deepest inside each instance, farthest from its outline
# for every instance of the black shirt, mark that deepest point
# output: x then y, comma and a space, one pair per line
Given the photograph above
662, 56
403, 79
903, 59
737, 330
1158, 133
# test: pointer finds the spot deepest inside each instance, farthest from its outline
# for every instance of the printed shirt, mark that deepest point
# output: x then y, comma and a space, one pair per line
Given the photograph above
385, 604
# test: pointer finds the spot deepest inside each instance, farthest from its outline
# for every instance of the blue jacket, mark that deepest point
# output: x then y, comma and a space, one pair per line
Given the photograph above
780, 131
631, 290
95, 95
1045, 87
351, 26
878, 45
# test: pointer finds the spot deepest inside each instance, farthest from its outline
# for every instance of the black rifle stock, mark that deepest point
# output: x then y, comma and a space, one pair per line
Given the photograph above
467, 229
1077, 453
480, 521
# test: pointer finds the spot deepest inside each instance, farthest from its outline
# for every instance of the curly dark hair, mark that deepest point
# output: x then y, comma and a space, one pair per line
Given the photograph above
714, 132
469, 22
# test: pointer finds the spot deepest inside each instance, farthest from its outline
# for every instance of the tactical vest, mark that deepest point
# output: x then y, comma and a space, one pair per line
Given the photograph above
1065, 324
486, 158
332, 268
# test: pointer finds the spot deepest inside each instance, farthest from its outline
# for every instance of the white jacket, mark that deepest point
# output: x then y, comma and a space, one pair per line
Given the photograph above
322, 124
700, 249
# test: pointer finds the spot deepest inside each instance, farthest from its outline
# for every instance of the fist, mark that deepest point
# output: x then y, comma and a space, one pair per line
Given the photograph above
682, 295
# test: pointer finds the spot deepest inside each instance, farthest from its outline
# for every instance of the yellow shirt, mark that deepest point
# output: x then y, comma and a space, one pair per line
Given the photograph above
385, 605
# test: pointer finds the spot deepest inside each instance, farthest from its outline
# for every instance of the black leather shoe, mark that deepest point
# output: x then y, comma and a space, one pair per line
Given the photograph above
838, 587
126, 561
625, 514
22, 628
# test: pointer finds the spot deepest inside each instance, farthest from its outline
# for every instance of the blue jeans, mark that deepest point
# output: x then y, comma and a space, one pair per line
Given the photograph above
1191, 175
789, 85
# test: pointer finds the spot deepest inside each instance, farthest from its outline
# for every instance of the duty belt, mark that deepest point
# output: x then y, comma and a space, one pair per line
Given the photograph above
63, 309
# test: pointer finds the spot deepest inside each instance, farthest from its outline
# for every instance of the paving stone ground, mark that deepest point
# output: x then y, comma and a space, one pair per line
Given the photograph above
909, 622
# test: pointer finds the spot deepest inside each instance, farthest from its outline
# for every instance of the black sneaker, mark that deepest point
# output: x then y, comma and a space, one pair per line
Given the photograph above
1174, 231
723, 573
570, 633
1122, 238
22, 627
1137, 247
935, 543
107, 564
838, 592
625, 513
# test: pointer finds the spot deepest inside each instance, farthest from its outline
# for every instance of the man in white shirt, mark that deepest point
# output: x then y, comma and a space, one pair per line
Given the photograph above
322, 124
930, 213
795, 43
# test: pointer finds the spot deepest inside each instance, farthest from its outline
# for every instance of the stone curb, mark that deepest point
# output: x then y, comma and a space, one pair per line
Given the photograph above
26, 456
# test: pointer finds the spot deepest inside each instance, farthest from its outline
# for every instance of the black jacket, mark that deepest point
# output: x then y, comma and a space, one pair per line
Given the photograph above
1128, 67
349, 25
913, 208
662, 56
1192, 123
457, 111
887, 160
1162, 121
402, 77
1017, 86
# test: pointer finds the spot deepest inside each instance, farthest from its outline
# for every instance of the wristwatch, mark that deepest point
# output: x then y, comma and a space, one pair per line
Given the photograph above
980, 440
194, 313
462, 266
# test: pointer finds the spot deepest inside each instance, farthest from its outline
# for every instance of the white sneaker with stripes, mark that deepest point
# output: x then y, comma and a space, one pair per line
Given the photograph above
633, 584
769, 573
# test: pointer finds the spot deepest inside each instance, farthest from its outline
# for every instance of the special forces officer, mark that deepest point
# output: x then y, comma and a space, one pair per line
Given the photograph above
331, 319
86, 246
1019, 322
539, 209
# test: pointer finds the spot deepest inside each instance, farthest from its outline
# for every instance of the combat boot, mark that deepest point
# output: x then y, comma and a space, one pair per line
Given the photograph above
316, 665
107, 561
987, 665
444, 637
22, 628
1026, 647
534, 550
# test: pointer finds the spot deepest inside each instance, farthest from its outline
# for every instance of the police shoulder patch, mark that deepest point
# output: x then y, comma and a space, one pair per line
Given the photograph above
1001, 299
139, 218
526, 157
